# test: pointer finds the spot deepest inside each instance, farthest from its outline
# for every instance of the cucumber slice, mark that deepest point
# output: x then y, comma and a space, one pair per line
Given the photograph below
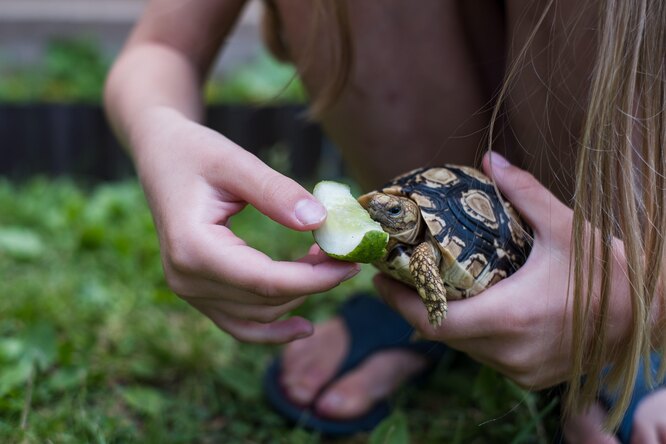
348, 234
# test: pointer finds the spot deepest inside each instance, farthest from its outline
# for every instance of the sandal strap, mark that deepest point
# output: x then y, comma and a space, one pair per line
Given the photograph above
373, 326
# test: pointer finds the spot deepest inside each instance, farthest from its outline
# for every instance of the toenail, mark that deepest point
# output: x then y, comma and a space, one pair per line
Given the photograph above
332, 402
299, 394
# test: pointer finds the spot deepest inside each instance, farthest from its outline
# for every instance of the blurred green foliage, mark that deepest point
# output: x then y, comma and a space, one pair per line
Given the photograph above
95, 348
264, 81
71, 71
74, 70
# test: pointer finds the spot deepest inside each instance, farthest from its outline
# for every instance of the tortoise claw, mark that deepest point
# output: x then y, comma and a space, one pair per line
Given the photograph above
428, 282
437, 311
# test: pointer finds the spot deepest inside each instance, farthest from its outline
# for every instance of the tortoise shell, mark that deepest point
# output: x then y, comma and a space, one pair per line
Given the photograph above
481, 237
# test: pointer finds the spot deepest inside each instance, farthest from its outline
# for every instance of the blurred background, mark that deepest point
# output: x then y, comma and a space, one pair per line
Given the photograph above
93, 345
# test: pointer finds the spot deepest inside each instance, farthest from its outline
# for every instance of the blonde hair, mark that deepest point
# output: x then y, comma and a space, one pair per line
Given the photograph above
620, 191
620, 188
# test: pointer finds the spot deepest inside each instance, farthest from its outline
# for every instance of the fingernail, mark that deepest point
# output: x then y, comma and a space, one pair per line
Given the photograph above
303, 327
309, 212
499, 161
353, 272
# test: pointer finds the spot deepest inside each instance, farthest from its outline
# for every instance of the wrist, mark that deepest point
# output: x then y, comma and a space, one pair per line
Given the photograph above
157, 122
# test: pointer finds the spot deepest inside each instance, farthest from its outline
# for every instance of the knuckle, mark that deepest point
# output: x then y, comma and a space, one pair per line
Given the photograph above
519, 321
266, 291
178, 282
274, 187
178, 253
271, 289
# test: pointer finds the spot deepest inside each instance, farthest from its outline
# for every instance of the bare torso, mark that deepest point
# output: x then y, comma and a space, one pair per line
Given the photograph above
423, 81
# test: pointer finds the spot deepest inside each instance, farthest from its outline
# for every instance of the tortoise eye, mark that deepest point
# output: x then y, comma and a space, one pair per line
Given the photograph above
395, 211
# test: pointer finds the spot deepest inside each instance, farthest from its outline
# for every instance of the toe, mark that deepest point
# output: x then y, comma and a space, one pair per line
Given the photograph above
309, 364
375, 379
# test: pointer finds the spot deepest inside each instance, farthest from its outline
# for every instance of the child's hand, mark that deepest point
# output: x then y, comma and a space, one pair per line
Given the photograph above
522, 325
195, 181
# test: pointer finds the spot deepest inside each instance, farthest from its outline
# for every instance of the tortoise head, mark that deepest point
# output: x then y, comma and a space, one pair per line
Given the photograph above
399, 216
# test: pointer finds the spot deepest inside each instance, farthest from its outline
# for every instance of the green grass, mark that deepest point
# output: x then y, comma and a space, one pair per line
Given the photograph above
95, 348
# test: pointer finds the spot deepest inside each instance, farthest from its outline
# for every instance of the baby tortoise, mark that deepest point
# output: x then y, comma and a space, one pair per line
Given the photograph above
450, 234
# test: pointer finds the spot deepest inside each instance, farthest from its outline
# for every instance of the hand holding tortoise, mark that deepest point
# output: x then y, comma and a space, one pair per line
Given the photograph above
520, 326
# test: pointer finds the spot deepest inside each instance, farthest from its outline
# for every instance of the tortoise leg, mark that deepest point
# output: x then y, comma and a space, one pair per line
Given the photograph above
425, 271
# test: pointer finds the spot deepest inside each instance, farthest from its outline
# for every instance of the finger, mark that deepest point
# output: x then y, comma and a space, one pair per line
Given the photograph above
532, 200
236, 264
195, 289
275, 195
278, 332
198, 287
315, 256
247, 312
467, 319
404, 300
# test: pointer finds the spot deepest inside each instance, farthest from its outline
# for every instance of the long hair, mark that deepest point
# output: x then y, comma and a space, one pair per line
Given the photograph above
620, 189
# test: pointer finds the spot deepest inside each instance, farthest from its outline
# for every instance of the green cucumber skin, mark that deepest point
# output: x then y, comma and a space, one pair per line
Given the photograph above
376, 239
376, 243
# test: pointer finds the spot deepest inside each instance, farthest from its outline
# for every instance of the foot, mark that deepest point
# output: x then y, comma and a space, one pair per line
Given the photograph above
649, 425
309, 364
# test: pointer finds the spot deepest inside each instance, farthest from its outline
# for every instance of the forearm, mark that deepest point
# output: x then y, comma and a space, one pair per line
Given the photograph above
164, 64
149, 78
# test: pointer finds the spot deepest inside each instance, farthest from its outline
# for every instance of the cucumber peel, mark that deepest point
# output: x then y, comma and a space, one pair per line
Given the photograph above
348, 234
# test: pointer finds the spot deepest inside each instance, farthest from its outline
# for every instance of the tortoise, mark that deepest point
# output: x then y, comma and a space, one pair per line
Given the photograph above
450, 234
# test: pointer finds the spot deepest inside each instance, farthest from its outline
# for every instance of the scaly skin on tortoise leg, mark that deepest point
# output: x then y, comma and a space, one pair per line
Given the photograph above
425, 271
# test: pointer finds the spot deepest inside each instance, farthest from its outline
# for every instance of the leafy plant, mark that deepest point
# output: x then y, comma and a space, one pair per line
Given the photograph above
74, 70
263, 81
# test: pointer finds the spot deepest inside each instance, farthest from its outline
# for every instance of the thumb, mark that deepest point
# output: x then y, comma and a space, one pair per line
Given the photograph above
534, 202
275, 195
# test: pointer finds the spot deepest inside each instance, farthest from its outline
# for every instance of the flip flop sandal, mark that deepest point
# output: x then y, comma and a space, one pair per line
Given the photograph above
372, 326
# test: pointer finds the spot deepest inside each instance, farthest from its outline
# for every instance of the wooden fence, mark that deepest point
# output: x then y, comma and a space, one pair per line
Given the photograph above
75, 139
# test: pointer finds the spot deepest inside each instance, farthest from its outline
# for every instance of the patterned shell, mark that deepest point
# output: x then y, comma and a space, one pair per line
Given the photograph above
470, 224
